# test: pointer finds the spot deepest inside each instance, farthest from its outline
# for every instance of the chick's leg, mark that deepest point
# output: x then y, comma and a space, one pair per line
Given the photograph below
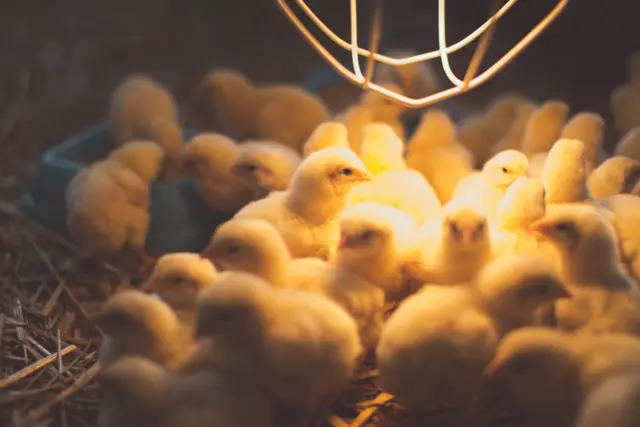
138, 228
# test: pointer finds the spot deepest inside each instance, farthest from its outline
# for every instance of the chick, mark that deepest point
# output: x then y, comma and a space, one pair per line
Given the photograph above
435, 346
283, 113
299, 346
544, 127
434, 144
307, 214
385, 110
489, 187
616, 175
266, 165
142, 109
514, 136
406, 190
623, 211
381, 149
564, 175
210, 158
629, 145
548, 373
625, 107
135, 323
141, 393
355, 118
455, 245
177, 278
327, 134
416, 80
613, 403
587, 128
587, 245
108, 202
480, 132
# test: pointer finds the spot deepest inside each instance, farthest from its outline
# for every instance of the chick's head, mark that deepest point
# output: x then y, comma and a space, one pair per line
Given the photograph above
464, 226
327, 134
383, 108
265, 165
178, 278
381, 148
505, 167
364, 231
520, 283
144, 158
235, 307
331, 170
209, 154
248, 245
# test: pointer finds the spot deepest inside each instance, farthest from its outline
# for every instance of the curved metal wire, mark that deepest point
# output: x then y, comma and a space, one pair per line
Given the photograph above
460, 86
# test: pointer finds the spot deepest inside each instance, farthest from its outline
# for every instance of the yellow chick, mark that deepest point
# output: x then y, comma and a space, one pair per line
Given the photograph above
582, 234
177, 278
587, 128
512, 140
142, 109
629, 145
327, 134
435, 346
135, 323
355, 118
433, 145
624, 210
108, 202
307, 214
616, 175
625, 107
613, 403
266, 165
381, 149
544, 127
564, 175
298, 346
140, 393
489, 186
284, 113
456, 245
210, 158
548, 373
385, 110
480, 132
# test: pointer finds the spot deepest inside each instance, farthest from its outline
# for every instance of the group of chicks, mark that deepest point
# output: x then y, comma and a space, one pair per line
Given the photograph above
506, 243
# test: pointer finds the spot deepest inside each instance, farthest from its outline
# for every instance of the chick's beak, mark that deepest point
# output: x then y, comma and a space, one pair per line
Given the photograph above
149, 286
493, 369
564, 293
345, 242
543, 227
362, 176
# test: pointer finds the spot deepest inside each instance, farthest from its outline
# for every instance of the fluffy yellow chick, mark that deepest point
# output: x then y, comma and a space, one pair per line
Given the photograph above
108, 202
135, 323
587, 245
283, 113
266, 165
406, 190
381, 149
480, 132
355, 118
416, 80
564, 175
142, 109
307, 214
629, 144
616, 175
210, 158
433, 145
327, 134
489, 186
625, 209
385, 110
435, 346
299, 346
587, 128
514, 136
455, 245
625, 107
548, 373
139, 393
613, 403
544, 127
177, 278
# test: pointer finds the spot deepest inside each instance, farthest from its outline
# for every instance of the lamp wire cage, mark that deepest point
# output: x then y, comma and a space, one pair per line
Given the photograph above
471, 78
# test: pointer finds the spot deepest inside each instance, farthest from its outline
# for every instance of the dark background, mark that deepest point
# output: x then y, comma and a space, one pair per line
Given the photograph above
60, 59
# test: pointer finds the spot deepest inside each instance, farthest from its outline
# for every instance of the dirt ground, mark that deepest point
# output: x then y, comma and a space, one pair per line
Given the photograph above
60, 59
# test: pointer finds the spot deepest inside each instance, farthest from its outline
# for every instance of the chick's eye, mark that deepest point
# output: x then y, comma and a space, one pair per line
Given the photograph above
542, 290
250, 168
367, 235
233, 249
347, 171
176, 281
563, 226
505, 170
